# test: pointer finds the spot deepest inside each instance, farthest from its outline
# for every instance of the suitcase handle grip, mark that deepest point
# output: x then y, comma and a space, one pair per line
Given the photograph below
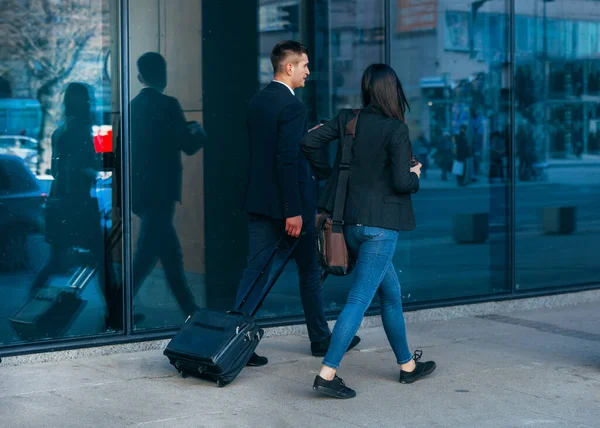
208, 326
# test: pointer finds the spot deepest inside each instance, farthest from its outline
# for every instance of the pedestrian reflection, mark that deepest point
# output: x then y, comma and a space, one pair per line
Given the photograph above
159, 133
73, 228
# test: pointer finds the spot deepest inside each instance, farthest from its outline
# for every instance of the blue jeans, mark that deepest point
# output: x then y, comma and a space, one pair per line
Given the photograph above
374, 248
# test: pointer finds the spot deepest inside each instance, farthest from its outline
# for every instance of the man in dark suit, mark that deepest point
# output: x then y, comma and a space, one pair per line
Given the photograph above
159, 133
281, 192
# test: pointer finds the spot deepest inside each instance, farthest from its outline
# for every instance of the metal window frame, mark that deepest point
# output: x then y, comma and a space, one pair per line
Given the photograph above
130, 336
512, 173
127, 279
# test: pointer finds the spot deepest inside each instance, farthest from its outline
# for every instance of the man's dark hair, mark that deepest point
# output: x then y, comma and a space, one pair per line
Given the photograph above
153, 69
284, 49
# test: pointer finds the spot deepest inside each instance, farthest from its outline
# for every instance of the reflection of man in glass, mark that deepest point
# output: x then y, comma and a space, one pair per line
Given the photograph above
159, 133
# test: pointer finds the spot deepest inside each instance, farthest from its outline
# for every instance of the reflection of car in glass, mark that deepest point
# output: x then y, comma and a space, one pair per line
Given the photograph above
21, 211
24, 147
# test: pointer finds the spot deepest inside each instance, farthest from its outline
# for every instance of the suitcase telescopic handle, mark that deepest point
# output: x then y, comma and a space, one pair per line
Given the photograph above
293, 242
84, 274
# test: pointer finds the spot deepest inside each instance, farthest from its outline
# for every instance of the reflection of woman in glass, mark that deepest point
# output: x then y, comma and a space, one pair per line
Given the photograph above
73, 217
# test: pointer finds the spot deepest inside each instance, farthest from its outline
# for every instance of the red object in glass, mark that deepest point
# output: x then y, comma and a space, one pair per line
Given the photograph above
103, 140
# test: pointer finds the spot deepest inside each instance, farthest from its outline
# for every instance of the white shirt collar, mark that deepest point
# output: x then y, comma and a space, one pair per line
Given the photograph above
286, 85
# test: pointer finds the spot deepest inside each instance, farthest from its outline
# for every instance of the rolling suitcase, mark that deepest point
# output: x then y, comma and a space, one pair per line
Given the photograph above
52, 310
216, 345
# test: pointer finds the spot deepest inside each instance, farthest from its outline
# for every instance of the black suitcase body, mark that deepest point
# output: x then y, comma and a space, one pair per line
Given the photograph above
52, 310
216, 345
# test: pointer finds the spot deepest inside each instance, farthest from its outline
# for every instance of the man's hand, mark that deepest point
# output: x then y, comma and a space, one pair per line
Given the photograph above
194, 127
416, 169
293, 226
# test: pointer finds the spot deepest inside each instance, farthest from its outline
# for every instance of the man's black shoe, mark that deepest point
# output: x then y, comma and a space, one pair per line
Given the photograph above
334, 388
319, 349
421, 369
257, 361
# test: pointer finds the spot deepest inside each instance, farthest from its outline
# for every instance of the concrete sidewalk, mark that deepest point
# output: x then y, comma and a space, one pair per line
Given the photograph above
532, 368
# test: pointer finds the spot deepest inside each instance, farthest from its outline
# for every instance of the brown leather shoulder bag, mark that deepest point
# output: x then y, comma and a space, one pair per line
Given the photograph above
331, 243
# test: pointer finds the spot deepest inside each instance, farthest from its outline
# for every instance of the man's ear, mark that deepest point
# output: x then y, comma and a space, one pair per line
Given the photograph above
289, 68
139, 76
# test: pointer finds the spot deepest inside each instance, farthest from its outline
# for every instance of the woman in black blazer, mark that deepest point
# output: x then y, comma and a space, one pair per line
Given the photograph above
378, 206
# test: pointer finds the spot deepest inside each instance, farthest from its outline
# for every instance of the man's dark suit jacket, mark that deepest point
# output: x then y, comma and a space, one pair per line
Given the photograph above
280, 184
380, 183
159, 134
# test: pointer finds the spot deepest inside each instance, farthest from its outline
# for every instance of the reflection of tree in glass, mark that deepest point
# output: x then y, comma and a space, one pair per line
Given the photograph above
47, 37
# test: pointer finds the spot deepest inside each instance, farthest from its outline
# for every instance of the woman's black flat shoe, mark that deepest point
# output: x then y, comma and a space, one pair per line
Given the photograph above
421, 369
334, 388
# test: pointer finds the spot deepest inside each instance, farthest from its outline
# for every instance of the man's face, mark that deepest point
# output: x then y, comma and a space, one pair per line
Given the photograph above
300, 72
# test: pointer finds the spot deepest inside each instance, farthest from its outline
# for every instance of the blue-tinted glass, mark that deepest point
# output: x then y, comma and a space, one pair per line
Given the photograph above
166, 142
59, 220
454, 75
350, 36
557, 152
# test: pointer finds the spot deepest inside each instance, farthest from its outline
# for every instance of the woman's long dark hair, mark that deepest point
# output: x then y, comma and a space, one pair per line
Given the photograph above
382, 89
78, 101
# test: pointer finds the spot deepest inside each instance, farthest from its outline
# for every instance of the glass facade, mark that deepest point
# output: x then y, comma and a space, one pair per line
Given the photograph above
123, 152
60, 225
556, 158
452, 61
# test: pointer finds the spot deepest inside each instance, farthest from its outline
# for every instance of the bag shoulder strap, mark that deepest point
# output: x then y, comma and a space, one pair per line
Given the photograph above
351, 125
344, 172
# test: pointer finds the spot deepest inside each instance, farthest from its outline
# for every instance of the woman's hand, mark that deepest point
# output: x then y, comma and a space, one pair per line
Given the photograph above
416, 169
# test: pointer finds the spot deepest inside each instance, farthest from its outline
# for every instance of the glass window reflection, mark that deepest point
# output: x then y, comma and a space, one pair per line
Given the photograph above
456, 77
58, 275
352, 37
558, 168
165, 142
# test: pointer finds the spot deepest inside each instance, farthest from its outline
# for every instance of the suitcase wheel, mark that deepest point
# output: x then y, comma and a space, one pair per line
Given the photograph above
184, 374
220, 384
